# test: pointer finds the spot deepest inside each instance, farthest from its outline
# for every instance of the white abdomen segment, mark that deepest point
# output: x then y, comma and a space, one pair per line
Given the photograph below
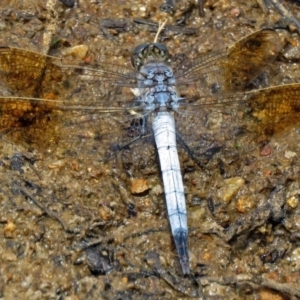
165, 139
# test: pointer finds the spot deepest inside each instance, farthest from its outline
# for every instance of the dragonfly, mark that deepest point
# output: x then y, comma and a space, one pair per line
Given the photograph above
46, 101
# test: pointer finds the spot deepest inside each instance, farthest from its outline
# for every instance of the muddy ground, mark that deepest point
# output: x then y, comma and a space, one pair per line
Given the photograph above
75, 227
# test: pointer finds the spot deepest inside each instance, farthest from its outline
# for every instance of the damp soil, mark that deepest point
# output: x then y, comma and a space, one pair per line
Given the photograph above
75, 227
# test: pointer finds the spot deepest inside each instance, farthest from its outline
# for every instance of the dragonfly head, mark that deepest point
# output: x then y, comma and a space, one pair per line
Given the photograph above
145, 53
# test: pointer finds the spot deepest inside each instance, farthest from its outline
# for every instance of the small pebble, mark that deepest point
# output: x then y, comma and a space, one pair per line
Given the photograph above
57, 164
244, 204
139, 186
230, 188
292, 202
235, 12
267, 294
266, 151
9, 229
106, 213
2, 26
295, 258
78, 52
289, 154
9, 256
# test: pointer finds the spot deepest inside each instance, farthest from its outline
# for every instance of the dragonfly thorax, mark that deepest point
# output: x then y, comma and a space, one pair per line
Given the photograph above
157, 87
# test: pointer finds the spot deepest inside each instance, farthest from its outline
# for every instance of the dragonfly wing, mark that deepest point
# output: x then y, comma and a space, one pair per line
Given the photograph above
232, 69
32, 74
215, 102
248, 58
47, 100
275, 108
231, 121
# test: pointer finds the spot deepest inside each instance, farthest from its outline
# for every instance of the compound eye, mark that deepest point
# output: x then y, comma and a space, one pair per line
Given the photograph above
137, 56
148, 52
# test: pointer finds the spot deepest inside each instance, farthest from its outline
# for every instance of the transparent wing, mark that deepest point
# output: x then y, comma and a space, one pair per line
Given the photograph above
95, 102
230, 70
238, 122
